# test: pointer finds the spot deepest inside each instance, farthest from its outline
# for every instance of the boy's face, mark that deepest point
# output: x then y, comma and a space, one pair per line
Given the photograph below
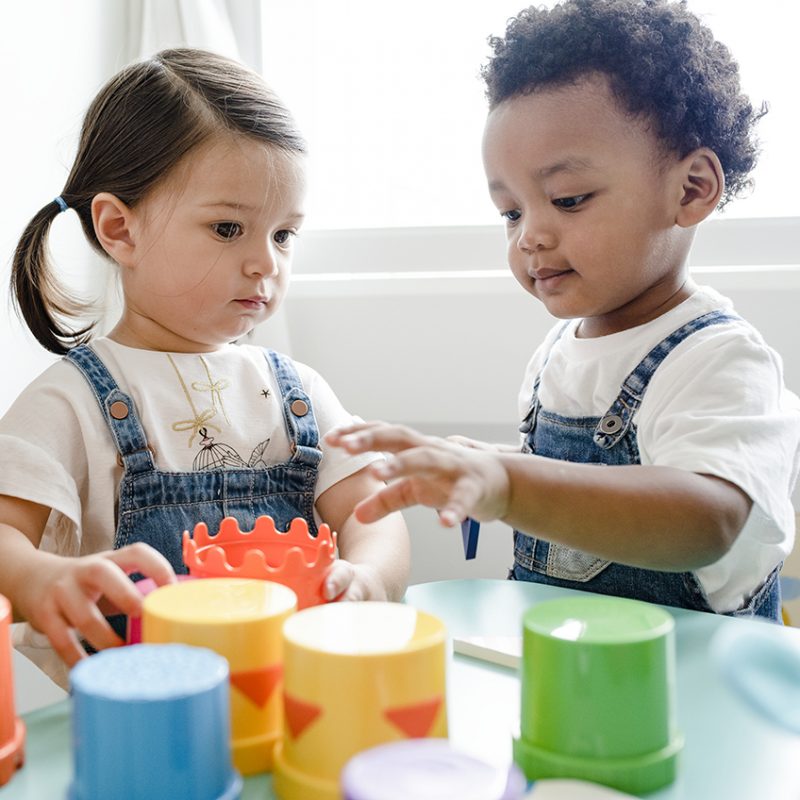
590, 203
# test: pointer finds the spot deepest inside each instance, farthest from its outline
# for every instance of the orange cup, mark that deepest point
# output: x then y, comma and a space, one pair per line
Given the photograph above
12, 729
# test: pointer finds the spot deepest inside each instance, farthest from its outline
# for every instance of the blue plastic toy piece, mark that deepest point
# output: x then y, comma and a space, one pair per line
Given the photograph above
470, 529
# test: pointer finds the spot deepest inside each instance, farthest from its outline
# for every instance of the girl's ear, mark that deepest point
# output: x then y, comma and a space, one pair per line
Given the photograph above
113, 226
703, 182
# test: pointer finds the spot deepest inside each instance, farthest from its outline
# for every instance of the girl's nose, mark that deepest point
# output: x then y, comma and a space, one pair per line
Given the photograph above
261, 262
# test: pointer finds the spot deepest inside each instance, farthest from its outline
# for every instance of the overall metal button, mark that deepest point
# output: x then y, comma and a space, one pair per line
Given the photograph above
299, 408
611, 423
119, 410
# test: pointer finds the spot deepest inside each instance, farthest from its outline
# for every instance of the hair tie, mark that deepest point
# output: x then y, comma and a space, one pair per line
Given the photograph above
62, 203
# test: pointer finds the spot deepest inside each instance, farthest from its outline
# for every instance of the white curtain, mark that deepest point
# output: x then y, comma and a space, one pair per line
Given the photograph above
229, 27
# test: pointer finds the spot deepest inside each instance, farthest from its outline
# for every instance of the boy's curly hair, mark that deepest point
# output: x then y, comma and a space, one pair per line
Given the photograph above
661, 61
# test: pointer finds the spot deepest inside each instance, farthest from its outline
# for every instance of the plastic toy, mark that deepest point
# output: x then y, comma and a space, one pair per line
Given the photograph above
427, 768
356, 675
598, 693
294, 558
240, 619
12, 729
152, 722
470, 529
133, 634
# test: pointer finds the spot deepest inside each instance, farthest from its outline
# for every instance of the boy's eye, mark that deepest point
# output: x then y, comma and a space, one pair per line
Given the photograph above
283, 236
227, 230
511, 216
568, 203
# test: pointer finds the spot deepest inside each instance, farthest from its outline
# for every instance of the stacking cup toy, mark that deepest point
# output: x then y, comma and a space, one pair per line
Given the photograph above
427, 769
294, 557
133, 634
152, 722
12, 729
356, 675
241, 620
598, 693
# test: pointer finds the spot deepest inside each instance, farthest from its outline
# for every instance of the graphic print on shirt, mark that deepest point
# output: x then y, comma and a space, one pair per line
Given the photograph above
200, 420
222, 456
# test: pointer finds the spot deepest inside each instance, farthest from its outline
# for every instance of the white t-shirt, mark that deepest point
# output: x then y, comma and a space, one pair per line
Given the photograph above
716, 405
56, 448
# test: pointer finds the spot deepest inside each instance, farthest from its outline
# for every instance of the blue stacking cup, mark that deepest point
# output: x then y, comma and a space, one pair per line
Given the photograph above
152, 722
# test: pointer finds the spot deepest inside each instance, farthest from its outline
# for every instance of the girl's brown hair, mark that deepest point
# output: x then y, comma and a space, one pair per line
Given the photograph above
140, 125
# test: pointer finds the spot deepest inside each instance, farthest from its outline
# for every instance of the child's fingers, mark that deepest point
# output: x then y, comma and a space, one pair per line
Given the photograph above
84, 616
338, 579
139, 557
382, 437
63, 639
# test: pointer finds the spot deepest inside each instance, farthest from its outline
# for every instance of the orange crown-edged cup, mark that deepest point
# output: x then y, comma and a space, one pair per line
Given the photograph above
293, 558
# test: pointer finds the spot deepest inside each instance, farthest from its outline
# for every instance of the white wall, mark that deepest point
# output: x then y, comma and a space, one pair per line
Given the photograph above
54, 56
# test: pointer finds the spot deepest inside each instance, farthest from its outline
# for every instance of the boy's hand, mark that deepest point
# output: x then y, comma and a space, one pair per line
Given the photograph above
62, 597
347, 581
458, 481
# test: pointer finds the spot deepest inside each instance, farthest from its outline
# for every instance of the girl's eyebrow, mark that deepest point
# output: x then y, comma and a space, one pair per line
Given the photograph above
244, 207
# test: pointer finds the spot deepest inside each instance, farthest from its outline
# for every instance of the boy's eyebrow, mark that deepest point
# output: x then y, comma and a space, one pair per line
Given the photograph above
570, 164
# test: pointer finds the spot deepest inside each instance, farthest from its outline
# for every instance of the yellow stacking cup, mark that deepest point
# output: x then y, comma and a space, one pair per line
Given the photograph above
356, 675
241, 619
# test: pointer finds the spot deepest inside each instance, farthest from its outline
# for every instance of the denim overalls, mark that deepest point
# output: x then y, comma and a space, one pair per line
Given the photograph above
156, 507
611, 440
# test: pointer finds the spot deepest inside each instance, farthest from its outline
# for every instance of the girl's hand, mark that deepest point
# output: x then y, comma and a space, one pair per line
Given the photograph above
347, 581
62, 599
458, 481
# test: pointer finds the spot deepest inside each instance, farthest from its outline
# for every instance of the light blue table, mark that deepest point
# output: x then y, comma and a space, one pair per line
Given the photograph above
730, 752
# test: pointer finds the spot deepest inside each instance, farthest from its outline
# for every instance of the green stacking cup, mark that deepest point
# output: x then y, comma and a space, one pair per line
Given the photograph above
598, 693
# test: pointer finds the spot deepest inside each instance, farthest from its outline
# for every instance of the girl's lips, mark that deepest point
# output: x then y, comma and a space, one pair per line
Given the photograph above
253, 303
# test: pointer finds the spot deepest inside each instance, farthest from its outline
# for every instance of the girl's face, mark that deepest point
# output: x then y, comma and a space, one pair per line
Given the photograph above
590, 204
212, 247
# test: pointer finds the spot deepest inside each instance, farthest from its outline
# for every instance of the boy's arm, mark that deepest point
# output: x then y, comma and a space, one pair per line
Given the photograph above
649, 516
375, 555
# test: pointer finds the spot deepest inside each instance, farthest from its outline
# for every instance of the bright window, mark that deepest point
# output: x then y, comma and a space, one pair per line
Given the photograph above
390, 99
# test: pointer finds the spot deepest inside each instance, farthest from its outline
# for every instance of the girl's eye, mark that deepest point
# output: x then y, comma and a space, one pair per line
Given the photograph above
227, 230
570, 203
511, 216
283, 236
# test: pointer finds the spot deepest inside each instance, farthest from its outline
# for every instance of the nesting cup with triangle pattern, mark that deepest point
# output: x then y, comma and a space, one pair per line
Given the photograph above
241, 619
356, 675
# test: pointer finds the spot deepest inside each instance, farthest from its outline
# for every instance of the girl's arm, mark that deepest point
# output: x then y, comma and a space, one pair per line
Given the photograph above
59, 596
649, 516
375, 555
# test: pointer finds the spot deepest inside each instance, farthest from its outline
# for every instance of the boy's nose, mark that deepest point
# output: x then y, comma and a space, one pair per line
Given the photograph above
535, 237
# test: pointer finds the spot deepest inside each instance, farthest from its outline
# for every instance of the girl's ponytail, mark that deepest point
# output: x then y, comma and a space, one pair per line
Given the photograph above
37, 294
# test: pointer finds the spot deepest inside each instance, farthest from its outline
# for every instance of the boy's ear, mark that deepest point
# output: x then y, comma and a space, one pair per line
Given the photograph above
703, 182
113, 227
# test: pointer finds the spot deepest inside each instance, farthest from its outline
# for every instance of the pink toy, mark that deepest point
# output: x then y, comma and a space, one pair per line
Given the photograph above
293, 558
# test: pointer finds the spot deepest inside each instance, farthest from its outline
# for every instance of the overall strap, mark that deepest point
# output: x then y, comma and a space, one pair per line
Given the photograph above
526, 426
301, 425
117, 409
616, 421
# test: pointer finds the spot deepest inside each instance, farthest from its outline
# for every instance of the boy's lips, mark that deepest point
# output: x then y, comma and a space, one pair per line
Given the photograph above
544, 273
